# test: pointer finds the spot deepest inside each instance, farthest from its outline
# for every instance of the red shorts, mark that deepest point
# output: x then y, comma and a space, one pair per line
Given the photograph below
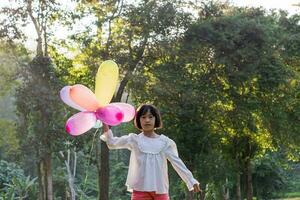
138, 195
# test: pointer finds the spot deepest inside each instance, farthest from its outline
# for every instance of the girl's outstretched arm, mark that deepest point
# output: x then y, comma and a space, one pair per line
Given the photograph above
184, 173
123, 142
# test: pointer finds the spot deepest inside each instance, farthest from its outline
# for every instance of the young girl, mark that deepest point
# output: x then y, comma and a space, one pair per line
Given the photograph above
147, 177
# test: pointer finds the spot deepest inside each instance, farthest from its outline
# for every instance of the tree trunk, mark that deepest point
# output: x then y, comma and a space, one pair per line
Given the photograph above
249, 187
190, 195
71, 194
71, 183
103, 172
202, 195
238, 180
225, 191
45, 178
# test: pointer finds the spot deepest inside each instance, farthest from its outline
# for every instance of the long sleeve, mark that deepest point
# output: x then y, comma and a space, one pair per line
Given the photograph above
179, 166
123, 142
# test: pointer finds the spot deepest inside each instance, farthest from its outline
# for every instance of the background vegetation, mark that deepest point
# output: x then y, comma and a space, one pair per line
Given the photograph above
226, 79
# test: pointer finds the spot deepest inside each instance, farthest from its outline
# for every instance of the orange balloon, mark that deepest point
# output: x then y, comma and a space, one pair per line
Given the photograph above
84, 97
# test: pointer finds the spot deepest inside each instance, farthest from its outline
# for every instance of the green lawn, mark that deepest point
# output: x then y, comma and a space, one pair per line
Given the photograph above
297, 198
291, 196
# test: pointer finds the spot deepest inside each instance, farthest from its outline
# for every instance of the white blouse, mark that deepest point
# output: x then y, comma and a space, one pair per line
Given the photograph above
148, 169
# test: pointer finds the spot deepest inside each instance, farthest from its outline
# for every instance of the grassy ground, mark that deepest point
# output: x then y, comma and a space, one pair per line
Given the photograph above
297, 198
291, 196
294, 187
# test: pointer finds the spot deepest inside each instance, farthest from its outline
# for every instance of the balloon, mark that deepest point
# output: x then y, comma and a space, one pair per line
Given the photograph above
95, 107
110, 115
106, 82
65, 97
127, 109
80, 123
84, 97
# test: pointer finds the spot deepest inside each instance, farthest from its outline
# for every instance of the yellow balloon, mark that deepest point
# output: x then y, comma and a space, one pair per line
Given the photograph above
106, 82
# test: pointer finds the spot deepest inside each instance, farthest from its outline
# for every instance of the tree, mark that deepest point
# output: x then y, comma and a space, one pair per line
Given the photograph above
226, 83
245, 47
13, 182
12, 56
37, 96
127, 34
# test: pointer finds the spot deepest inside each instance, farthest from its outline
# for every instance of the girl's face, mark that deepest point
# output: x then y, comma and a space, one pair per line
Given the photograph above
147, 121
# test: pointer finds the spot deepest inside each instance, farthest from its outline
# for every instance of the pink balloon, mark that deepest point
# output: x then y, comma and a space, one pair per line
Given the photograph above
110, 115
65, 97
84, 97
80, 123
127, 109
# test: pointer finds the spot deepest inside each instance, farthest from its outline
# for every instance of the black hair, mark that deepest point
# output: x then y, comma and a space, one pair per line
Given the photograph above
142, 110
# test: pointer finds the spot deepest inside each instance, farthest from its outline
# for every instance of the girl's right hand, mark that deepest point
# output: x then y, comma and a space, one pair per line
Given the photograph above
196, 188
105, 128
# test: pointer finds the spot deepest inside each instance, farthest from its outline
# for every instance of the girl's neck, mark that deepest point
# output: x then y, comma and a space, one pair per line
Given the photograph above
149, 133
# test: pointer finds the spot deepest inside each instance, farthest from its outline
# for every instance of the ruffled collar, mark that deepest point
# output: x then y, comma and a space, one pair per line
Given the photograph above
152, 145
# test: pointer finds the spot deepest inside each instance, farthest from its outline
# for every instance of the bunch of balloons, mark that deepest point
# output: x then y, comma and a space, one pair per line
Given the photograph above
96, 106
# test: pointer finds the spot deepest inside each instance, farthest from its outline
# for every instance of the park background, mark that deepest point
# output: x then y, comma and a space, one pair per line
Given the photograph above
225, 78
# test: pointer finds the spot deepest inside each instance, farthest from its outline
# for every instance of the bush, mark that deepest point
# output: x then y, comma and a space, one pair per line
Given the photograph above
14, 184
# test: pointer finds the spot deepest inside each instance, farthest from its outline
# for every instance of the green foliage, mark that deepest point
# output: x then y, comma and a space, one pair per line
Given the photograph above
227, 86
9, 141
293, 178
219, 92
177, 186
59, 179
70, 71
87, 183
118, 174
14, 184
22, 188
269, 175
8, 172
40, 112
13, 20
7, 107
292, 183
12, 56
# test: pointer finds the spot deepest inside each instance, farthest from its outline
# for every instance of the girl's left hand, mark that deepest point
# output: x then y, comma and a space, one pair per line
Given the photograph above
196, 188
105, 127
